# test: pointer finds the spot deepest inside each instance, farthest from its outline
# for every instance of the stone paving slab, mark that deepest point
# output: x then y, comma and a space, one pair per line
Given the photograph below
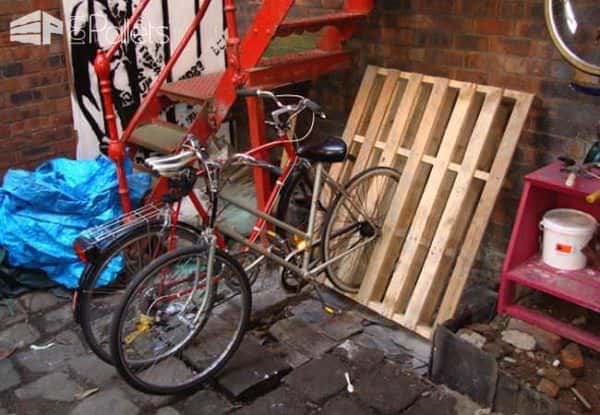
55, 387
170, 371
168, 410
362, 358
389, 389
310, 311
67, 345
57, 320
407, 340
345, 405
9, 377
267, 301
282, 401
11, 312
291, 356
434, 404
205, 402
41, 407
314, 349
19, 335
319, 379
39, 301
341, 327
92, 369
302, 336
109, 402
254, 369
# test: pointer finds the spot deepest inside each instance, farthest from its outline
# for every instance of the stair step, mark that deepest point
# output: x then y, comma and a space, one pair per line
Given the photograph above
313, 24
196, 90
290, 68
271, 72
159, 136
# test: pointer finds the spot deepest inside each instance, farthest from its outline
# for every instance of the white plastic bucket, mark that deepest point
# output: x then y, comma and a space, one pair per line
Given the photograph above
566, 233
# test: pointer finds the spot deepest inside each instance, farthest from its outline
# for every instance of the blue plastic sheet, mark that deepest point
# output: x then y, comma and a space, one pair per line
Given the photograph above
42, 213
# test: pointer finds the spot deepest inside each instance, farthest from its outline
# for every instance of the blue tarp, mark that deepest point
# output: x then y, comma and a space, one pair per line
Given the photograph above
42, 212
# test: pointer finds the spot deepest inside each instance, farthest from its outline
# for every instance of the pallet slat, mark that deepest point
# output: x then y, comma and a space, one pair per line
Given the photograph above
489, 197
375, 130
406, 273
357, 116
441, 131
430, 281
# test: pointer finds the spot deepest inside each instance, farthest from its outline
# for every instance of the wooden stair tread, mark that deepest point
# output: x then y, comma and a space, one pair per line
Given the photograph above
158, 136
311, 24
195, 90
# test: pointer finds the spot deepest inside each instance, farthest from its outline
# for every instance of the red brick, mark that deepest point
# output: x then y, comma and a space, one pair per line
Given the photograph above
511, 46
548, 387
572, 358
477, 60
494, 27
471, 42
479, 8
512, 9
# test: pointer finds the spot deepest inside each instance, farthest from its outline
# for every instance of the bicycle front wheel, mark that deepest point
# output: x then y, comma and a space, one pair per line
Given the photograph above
353, 225
176, 328
98, 299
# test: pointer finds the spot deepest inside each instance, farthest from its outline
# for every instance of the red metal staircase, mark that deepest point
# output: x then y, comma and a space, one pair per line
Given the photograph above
246, 66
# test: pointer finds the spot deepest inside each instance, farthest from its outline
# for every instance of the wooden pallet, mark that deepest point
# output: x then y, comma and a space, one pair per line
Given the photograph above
453, 142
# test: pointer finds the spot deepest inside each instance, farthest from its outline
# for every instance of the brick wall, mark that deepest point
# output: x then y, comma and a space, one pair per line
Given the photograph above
498, 42
35, 109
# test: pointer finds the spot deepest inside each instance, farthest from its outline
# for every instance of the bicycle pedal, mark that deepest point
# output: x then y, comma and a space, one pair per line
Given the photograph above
331, 310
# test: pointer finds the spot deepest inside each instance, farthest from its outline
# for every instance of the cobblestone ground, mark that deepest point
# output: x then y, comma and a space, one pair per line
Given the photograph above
293, 361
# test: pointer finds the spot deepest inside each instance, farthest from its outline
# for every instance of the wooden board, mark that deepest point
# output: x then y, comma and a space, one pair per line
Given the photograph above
453, 142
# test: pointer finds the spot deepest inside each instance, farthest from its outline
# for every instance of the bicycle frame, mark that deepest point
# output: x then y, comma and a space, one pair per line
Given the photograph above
292, 161
308, 236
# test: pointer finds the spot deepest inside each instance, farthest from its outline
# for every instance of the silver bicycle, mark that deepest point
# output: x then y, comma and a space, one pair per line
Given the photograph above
188, 310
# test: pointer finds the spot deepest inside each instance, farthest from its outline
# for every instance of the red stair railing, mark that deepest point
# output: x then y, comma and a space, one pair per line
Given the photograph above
102, 65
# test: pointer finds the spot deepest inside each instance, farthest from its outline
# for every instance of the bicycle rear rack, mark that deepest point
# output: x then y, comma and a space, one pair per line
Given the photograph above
90, 243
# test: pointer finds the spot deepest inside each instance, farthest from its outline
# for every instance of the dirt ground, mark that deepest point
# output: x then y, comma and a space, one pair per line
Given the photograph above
526, 366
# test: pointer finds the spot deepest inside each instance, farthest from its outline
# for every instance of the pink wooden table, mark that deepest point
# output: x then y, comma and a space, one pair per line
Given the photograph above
545, 190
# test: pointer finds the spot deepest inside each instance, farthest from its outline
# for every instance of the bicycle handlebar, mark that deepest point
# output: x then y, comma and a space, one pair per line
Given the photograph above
304, 103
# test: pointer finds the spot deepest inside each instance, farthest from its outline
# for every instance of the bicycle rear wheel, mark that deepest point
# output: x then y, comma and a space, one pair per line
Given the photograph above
354, 218
176, 328
134, 250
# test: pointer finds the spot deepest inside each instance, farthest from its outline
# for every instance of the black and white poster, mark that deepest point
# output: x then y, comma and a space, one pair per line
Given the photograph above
94, 24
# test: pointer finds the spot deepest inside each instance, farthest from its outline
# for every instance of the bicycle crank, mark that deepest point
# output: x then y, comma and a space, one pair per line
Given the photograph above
143, 326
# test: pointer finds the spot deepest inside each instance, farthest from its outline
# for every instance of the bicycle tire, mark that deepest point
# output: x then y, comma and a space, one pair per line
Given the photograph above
141, 282
559, 42
335, 212
93, 271
290, 209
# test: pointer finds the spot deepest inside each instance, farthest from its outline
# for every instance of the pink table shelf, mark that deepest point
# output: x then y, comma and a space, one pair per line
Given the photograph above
545, 190
578, 287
